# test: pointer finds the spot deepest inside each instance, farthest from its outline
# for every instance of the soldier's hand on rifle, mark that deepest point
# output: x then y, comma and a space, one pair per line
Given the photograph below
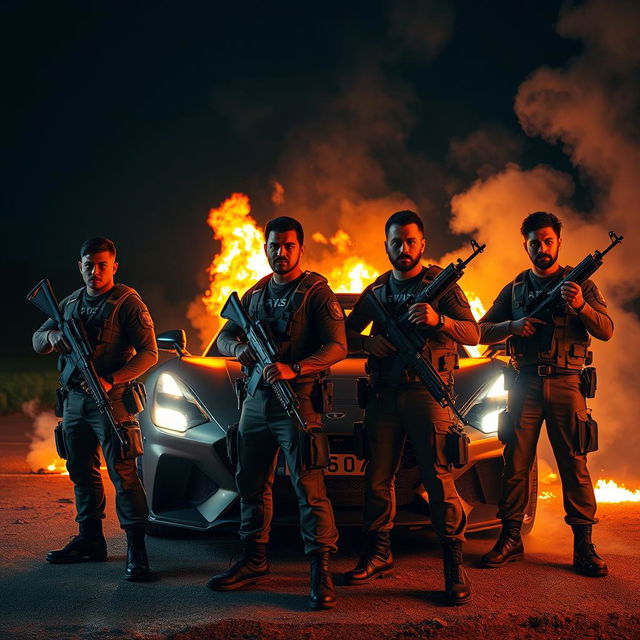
572, 294
244, 354
57, 341
277, 371
107, 386
378, 346
423, 313
525, 327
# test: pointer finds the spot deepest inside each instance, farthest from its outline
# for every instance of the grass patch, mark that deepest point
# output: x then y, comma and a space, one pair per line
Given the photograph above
24, 379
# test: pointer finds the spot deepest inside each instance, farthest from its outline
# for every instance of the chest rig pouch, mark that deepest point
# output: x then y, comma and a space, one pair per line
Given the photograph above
563, 342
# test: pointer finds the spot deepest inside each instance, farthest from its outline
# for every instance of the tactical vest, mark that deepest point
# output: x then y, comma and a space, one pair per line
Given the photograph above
293, 330
113, 349
438, 348
566, 346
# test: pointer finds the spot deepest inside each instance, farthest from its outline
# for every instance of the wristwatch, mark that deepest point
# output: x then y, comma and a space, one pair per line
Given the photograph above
440, 322
295, 367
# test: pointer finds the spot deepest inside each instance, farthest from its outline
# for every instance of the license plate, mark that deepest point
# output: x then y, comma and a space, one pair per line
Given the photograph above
345, 464
342, 464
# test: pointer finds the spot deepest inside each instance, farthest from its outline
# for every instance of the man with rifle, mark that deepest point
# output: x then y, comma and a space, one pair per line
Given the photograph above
547, 315
296, 327
111, 323
409, 394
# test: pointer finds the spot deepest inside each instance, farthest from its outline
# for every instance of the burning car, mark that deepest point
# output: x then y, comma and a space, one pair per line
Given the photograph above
190, 481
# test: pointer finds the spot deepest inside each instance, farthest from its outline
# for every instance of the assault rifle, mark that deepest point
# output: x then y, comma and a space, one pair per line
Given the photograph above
266, 352
409, 345
442, 283
550, 299
79, 357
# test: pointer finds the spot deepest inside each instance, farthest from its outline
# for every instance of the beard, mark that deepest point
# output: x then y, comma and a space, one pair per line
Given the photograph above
545, 261
404, 266
283, 267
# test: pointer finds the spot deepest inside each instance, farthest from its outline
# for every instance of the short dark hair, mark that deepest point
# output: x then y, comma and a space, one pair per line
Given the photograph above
539, 220
403, 218
97, 244
284, 223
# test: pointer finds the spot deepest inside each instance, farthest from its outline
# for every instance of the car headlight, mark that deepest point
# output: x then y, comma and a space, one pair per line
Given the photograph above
484, 414
175, 408
489, 422
497, 389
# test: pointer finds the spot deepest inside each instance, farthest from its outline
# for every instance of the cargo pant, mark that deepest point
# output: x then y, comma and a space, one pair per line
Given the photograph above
85, 431
557, 400
265, 428
392, 415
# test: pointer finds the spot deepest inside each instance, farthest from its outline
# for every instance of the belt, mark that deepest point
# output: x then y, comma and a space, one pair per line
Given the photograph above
544, 370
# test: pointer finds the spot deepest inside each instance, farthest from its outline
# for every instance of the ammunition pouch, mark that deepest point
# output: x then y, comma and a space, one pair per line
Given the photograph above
240, 386
505, 426
314, 449
131, 436
322, 396
363, 392
134, 397
586, 432
588, 382
457, 446
360, 440
61, 445
232, 444
61, 394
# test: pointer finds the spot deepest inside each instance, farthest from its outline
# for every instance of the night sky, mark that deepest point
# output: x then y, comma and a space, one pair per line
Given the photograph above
132, 120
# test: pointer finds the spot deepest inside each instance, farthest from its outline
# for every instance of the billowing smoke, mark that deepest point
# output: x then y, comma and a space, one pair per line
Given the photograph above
589, 107
42, 451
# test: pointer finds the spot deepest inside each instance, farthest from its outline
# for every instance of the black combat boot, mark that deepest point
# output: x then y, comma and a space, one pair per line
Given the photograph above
137, 562
508, 547
375, 562
252, 568
585, 559
88, 545
456, 581
322, 593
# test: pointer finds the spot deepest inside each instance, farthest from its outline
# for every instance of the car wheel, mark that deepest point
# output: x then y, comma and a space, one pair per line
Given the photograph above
532, 503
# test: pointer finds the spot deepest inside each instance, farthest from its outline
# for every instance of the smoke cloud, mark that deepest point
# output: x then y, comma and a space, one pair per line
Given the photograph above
589, 108
42, 452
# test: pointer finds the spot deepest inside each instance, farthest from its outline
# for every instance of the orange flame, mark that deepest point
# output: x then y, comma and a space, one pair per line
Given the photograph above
610, 491
241, 260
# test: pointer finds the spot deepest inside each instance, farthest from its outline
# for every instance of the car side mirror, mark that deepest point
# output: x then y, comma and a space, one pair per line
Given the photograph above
175, 340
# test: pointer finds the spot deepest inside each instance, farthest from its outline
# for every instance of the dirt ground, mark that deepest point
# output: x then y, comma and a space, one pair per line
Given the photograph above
538, 598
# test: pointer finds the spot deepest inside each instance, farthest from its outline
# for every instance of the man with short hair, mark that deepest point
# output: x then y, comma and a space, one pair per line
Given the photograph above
400, 406
120, 329
307, 323
547, 360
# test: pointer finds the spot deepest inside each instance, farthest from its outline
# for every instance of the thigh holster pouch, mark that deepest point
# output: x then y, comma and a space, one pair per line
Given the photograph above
314, 449
61, 394
61, 446
232, 444
588, 382
363, 392
457, 446
131, 436
505, 426
134, 397
322, 396
360, 440
241, 392
586, 432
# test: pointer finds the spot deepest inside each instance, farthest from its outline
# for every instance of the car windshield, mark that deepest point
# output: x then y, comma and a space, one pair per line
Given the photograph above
347, 300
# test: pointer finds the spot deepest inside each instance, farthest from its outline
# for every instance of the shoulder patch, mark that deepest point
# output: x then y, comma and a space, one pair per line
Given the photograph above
461, 297
145, 319
335, 310
598, 296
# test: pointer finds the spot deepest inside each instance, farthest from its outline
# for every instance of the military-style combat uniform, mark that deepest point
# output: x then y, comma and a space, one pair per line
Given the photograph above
547, 386
398, 406
120, 329
307, 322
